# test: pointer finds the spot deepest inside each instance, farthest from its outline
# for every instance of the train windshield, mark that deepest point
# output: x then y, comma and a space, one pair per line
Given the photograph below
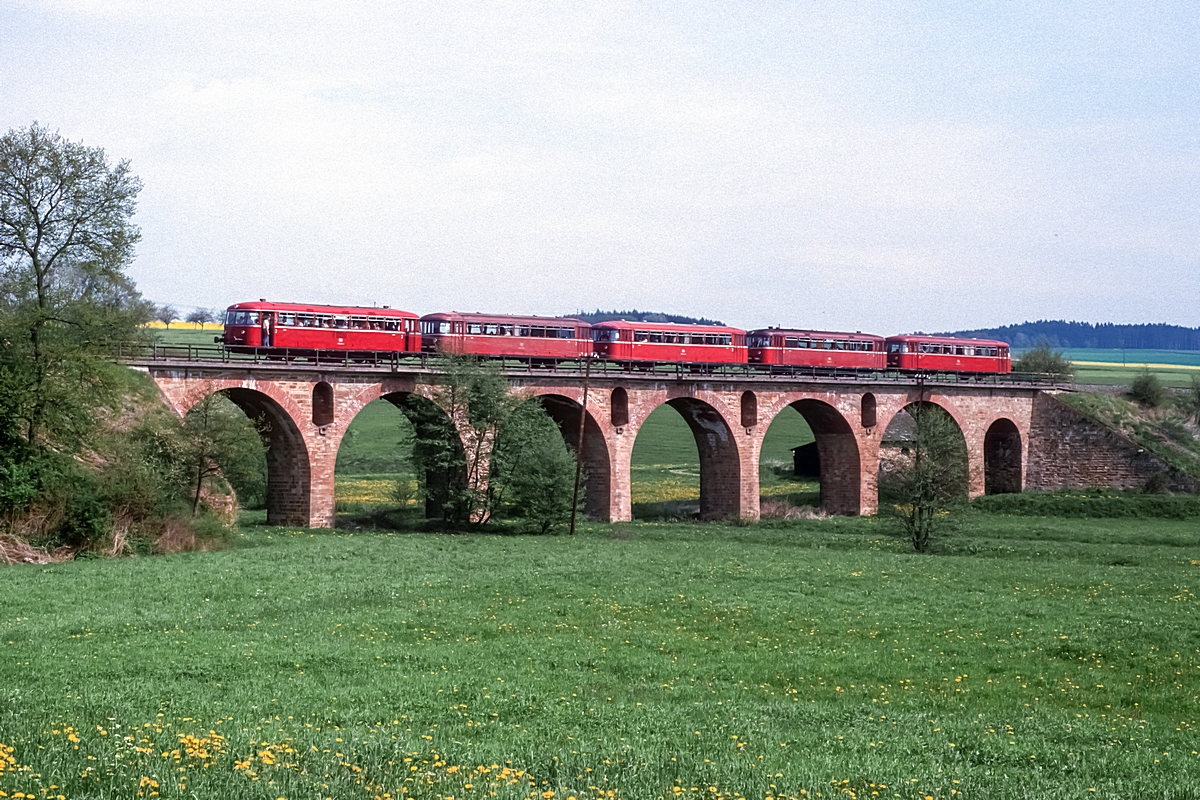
605, 335
241, 318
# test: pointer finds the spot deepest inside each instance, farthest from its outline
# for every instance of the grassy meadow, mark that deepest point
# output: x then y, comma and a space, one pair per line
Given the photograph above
1030, 657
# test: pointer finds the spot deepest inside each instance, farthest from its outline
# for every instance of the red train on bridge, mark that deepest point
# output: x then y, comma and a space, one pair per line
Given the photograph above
298, 329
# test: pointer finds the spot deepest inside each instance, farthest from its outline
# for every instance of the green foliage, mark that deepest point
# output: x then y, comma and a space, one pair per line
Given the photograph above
1045, 361
924, 483
1091, 504
1190, 402
1148, 390
221, 442
66, 238
533, 473
499, 459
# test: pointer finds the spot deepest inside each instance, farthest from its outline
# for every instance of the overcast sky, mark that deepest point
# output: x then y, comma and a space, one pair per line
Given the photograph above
925, 166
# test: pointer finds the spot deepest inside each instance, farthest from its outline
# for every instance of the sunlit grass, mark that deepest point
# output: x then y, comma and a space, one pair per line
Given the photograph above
1032, 658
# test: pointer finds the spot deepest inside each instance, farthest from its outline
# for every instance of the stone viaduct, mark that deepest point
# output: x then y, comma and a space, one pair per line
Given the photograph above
309, 409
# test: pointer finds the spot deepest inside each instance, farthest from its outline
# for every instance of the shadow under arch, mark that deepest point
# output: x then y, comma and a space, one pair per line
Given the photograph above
289, 482
838, 455
445, 463
596, 464
720, 467
1002, 458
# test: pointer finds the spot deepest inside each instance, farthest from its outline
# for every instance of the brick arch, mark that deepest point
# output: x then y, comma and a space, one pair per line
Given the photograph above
597, 464
971, 465
838, 451
716, 444
1002, 457
289, 478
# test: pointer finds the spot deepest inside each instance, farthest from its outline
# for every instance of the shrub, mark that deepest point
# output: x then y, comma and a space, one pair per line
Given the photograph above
1148, 390
1042, 359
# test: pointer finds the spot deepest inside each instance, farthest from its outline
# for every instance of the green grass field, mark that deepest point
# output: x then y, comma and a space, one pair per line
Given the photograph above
1031, 658
1110, 367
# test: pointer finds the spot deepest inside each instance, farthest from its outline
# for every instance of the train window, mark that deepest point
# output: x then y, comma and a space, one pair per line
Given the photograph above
670, 338
443, 327
870, 346
391, 324
491, 330
287, 319
474, 328
605, 335
641, 336
899, 347
656, 336
359, 323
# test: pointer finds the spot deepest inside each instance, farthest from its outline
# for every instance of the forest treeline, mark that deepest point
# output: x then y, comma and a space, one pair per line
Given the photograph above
1060, 333
633, 315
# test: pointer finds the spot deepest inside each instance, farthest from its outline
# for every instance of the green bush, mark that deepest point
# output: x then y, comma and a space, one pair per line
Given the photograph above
1148, 390
1046, 361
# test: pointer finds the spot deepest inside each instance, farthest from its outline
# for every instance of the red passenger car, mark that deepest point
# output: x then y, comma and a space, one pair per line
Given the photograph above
946, 354
501, 335
669, 342
300, 327
815, 348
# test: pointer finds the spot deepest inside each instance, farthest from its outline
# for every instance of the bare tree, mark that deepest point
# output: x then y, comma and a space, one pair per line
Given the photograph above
166, 314
200, 316
930, 477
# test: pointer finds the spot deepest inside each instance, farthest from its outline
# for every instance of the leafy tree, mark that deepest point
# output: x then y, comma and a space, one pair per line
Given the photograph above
932, 477
222, 443
166, 314
66, 238
1045, 361
1148, 390
200, 316
533, 473
500, 458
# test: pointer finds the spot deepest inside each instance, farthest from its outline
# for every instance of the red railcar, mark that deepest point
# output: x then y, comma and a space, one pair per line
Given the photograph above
504, 336
669, 342
946, 354
815, 348
301, 327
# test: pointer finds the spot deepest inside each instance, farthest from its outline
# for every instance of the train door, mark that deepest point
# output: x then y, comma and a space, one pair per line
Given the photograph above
268, 328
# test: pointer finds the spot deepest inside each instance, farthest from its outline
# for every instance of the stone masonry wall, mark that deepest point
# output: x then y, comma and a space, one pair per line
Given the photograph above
1069, 451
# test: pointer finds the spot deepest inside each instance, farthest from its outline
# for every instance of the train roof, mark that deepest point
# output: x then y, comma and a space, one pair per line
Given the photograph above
815, 334
920, 337
623, 324
305, 308
503, 319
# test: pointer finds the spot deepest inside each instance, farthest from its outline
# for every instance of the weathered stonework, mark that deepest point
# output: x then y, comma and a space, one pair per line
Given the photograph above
1072, 452
1015, 436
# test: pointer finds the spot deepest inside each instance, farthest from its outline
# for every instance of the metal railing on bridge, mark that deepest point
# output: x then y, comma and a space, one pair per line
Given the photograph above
392, 361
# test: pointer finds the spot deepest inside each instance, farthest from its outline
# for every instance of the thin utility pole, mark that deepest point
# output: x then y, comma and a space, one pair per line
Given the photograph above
587, 373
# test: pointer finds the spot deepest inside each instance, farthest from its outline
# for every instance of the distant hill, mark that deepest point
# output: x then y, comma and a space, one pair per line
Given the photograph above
633, 315
1062, 334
